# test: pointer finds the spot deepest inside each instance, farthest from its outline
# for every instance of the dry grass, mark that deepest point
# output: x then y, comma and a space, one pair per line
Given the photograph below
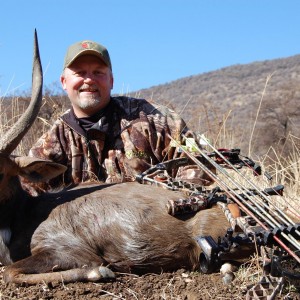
249, 273
12, 108
284, 169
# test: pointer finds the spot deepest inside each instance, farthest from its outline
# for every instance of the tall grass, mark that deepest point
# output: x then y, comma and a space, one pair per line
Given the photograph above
284, 168
11, 108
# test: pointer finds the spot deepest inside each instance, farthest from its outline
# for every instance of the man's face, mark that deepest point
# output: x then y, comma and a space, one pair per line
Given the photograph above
88, 83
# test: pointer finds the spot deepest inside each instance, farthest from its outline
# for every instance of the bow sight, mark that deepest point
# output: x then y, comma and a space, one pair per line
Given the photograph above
260, 224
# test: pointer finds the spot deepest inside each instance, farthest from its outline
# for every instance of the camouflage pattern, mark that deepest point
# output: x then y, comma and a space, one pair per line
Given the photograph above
128, 138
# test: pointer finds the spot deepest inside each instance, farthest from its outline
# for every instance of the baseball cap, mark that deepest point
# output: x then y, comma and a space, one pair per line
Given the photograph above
85, 48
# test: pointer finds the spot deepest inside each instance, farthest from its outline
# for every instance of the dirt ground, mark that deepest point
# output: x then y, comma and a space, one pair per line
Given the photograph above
179, 285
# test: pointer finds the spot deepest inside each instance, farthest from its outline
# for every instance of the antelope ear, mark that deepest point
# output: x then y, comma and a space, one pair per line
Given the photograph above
38, 170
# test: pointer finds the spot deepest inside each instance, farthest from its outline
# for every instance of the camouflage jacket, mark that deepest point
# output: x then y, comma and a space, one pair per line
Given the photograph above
128, 137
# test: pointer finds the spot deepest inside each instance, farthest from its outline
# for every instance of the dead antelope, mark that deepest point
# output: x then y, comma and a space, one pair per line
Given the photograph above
74, 234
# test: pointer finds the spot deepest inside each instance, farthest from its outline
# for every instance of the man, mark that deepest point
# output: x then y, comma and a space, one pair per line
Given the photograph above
101, 137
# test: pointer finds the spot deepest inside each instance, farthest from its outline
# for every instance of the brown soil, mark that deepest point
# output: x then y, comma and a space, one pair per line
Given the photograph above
178, 285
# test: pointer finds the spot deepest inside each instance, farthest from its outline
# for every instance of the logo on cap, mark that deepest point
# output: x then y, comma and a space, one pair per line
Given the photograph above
85, 45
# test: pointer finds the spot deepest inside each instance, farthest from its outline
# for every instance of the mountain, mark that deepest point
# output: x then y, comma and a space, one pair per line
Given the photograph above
254, 105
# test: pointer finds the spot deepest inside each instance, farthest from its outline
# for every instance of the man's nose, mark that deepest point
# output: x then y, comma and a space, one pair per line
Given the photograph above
89, 77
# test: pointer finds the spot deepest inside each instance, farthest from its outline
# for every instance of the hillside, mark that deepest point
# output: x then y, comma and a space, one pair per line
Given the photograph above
234, 93
222, 104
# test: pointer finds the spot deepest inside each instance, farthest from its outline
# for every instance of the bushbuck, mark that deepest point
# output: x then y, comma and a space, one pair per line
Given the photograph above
83, 233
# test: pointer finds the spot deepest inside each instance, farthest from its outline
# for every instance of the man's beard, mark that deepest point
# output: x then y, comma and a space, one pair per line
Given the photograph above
89, 101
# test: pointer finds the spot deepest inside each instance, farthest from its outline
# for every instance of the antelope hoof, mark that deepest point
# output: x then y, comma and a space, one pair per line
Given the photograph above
100, 273
227, 273
106, 273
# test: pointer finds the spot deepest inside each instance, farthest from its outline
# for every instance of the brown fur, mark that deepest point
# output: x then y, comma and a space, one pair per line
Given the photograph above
124, 226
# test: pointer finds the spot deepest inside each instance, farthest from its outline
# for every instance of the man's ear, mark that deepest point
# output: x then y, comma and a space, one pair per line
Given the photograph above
112, 81
63, 81
38, 170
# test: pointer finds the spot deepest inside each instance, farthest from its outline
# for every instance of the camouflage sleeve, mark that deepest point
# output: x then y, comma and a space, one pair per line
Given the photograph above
51, 146
188, 140
147, 142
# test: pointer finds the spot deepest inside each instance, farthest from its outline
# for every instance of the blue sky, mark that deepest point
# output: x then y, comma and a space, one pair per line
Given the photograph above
150, 42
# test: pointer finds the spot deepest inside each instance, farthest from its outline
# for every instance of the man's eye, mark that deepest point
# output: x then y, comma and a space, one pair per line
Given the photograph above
99, 73
78, 73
